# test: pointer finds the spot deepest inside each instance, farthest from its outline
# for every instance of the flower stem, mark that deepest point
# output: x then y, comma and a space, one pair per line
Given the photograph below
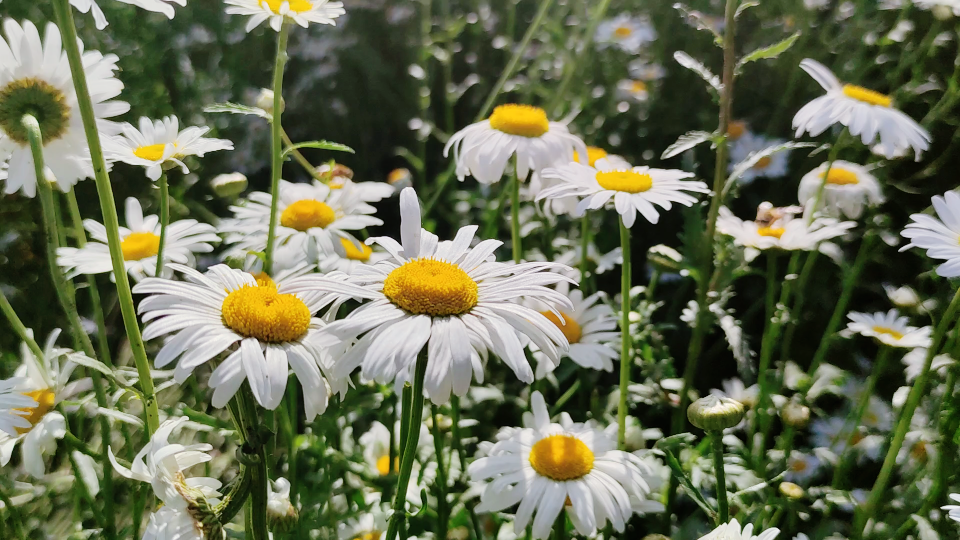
415, 414
19, 327
164, 220
716, 439
771, 330
64, 18
256, 511
515, 219
626, 348
584, 247
441, 482
276, 164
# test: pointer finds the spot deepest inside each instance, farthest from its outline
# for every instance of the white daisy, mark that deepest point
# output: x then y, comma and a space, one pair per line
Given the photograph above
172, 524
370, 525
567, 205
864, 112
15, 407
732, 531
646, 70
210, 313
590, 328
140, 243
158, 6
772, 166
633, 190
483, 149
626, 32
633, 89
302, 12
160, 144
35, 79
340, 177
915, 360
848, 188
548, 467
281, 513
449, 298
348, 255
889, 328
940, 237
778, 230
953, 509
736, 129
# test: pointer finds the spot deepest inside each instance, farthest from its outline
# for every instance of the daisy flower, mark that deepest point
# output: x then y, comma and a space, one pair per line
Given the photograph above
547, 467
483, 149
281, 513
863, 112
736, 129
590, 328
260, 324
15, 407
772, 166
732, 531
646, 70
157, 6
35, 79
449, 298
172, 524
636, 189
277, 12
953, 509
633, 89
568, 205
349, 256
889, 328
626, 32
140, 243
915, 360
370, 525
776, 228
340, 177
940, 237
160, 144
847, 188
376, 447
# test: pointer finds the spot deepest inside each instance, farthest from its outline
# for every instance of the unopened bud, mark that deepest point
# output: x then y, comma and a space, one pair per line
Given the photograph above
942, 12
265, 101
282, 516
715, 413
229, 185
795, 415
791, 490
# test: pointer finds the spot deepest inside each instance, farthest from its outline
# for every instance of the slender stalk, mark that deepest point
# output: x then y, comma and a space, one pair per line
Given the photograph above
560, 527
164, 220
19, 327
455, 429
626, 348
441, 482
256, 512
14, 514
64, 17
771, 329
276, 146
797, 311
723, 508
409, 451
584, 248
572, 391
570, 68
831, 158
515, 219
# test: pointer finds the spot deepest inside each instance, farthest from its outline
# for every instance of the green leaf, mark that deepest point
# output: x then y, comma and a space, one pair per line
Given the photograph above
323, 145
236, 108
688, 486
766, 53
743, 7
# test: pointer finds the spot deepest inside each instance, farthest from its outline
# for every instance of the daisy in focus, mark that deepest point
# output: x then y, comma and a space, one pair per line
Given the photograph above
160, 144
35, 79
636, 189
548, 467
449, 298
139, 243
847, 189
277, 12
864, 112
157, 6
890, 329
591, 330
777, 228
732, 531
483, 150
940, 237
625, 32
772, 166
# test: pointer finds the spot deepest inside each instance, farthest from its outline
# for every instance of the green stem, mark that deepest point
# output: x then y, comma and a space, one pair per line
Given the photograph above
164, 220
19, 327
441, 482
572, 391
570, 69
560, 527
584, 248
716, 439
256, 522
515, 219
797, 311
110, 221
409, 451
276, 164
298, 157
626, 348
770, 331
12, 511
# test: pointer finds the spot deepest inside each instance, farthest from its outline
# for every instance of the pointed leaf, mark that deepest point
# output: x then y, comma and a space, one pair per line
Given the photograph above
753, 158
686, 141
772, 51
88, 472
236, 108
743, 7
697, 67
699, 21
323, 145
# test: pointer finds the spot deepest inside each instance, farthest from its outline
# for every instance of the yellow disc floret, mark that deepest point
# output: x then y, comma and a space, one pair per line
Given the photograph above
736, 129
522, 120
866, 95
139, 245
841, 177
561, 457
570, 328
593, 154
356, 252
626, 181
153, 152
297, 6
623, 32
763, 162
260, 312
431, 287
775, 232
383, 464
306, 214
888, 331
45, 399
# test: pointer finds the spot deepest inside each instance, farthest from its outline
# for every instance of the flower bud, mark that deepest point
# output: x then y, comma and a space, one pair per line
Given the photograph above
282, 516
265, 101
715, 413
791, 490
795, 415
942, 12
229, 185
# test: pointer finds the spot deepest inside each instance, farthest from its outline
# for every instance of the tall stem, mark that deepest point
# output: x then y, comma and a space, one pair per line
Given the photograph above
256, 512
415, 414
441, 474
164, 220
770, 331
584, 248
626, 348
64, 17
716, 440
276, 146
515, 219
19, 328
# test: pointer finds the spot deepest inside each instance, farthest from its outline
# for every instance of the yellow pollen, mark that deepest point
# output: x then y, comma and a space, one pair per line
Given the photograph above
383, 464
297, 6
569, 327
798, 465
522, 120
431, 287
888, 331
45, 400
264, 280
398, 175
763, 162
593, 154
260, 312
841, 177
775, 232
626, 181
307, 214
561, 458
638, 86
373, 535
736, 129
919, 451
866, 95
622, 31
354, 253
337, 183
139, 245
154, 152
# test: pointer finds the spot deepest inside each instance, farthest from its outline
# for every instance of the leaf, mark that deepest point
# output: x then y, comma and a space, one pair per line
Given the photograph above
120, 416
88, 472
686, 141
766, 53
697, 67
688, 486
743, 7
87, 362
236, 108
323, 145
699, 21
755, 157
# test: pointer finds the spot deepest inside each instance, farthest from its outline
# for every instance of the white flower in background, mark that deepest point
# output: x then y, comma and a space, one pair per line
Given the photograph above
737, 129
941, 8
35, 79
139, 243
376, 447
208, 314
160, 144
173, 524
483, 150
636, 189
889, 328
158, 6
568, 205
348, 256
301, 12
282, 515
919, 448
953, 509
864, 112
737, 390
915, 360
940, 237
340, 177
906, 297
847, 188
772, 166
633, 89
732, 531
446, 297
548, 467
15, 407
645, 70
590, 328
370, 525
777, 228
626, 32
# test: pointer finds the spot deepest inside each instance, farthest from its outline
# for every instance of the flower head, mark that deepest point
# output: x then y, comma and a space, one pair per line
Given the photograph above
847, 188
940, 237
160, 144
301, 12
590, 328
158, 6
625, 32
953, 509
889, 328
772, 166
777, 228
732, 531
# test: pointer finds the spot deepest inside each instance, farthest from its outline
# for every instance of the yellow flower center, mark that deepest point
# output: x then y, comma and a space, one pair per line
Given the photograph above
431, 287
258, 311
888, 331
383, 464
570, 328
307, 214
841, 177
398, 175
638, 87
297, 6
775, 232
866, 95
736, 129
264, 280
45, 400
355, 253
763, 162
522, 120
139, 245
593, 154
919, 451
626, 181
798, 465
623, 31
561, 458
372, 535
154, 152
